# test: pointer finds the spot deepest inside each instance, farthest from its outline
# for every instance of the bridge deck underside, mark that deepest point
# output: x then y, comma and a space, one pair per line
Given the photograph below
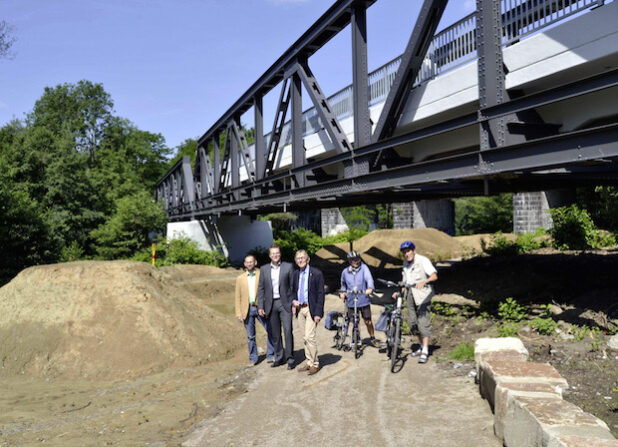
553, 125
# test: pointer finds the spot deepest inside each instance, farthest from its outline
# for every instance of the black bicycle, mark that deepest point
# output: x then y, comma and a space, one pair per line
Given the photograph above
395, 322
342, 331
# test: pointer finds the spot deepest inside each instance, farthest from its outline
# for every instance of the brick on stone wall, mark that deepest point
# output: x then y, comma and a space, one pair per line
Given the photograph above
539, 422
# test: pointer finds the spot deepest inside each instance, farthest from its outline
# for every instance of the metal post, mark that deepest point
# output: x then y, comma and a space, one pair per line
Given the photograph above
360, 83
490, 70
216, 164
298, 149
260, 160
234, 158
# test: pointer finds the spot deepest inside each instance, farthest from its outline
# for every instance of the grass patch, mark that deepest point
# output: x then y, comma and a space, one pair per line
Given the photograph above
462, 352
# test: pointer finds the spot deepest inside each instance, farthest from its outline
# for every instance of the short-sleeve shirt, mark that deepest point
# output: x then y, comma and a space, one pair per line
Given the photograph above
417, 271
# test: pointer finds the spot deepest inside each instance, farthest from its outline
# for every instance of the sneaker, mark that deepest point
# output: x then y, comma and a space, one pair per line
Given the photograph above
417, 352
423, 357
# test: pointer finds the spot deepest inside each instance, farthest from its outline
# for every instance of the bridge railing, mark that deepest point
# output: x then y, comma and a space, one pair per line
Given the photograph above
450, 48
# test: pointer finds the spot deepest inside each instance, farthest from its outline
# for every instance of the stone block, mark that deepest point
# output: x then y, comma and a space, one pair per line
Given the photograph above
505, 391
541, 421
497, 371
580, 441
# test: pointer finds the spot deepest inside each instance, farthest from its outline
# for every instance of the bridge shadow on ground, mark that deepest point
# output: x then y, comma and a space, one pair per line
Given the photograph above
576, 281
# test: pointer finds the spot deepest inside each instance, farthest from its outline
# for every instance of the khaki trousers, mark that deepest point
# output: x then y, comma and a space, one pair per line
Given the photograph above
309, 328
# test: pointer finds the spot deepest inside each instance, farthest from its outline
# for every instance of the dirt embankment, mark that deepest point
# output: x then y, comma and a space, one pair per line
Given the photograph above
110, 320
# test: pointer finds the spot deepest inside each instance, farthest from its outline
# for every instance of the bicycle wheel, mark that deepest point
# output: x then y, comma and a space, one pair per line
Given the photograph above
340, 338
389, 340
355, 340
396, 343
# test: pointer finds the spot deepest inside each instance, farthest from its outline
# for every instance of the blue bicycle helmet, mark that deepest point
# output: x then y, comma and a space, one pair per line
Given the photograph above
407, 245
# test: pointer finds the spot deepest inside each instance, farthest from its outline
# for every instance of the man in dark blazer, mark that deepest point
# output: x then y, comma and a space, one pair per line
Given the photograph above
308, 286
275, 298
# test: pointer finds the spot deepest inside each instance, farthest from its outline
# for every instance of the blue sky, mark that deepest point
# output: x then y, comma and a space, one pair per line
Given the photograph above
174, 67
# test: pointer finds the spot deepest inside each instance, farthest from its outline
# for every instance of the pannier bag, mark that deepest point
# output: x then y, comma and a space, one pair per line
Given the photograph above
382, 323
330, 322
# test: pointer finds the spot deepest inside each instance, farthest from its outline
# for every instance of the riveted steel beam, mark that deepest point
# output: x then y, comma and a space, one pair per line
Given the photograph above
411, 61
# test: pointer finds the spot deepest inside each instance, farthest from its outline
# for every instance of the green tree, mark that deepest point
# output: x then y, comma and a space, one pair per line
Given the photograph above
358, 217
83, 110
126, 232
187, 147
475, 215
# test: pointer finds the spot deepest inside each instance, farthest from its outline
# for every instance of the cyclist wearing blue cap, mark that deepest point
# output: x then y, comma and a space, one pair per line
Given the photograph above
418, 270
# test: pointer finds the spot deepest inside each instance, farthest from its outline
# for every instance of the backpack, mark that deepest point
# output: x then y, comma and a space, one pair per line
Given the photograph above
382, 323
330, 322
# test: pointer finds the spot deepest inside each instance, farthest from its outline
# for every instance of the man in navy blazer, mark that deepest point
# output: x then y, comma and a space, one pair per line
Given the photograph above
308, 305
275, 298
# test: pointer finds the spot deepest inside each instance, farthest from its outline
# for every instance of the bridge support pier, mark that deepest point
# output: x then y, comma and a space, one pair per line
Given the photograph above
531, 209
438, 214
234, 235
332, 222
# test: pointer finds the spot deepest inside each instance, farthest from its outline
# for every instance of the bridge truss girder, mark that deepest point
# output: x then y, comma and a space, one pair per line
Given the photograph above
516, 150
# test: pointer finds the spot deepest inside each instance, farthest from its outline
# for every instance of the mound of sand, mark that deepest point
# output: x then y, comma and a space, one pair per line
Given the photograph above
108, 320
380, 248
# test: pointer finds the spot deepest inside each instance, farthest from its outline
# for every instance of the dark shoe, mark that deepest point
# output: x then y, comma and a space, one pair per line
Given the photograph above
313, 370
274, 364
304, 368
291, 366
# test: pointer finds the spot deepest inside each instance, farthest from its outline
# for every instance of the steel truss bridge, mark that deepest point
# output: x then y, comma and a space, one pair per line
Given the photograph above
513, 149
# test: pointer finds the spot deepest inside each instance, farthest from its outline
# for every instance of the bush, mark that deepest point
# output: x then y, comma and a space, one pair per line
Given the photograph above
463, 351
292, 241
544, 326
280, 221
574, 229
524, 243
181, 251
508, 329
511, 310
185, 251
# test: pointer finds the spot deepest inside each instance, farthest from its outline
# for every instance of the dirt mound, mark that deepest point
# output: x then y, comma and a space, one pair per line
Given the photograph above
108, 320
380, 248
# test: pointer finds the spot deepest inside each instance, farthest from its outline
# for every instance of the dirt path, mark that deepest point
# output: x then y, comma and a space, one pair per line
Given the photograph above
352, 402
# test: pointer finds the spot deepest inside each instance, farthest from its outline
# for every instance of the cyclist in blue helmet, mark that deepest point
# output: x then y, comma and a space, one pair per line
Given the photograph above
418, 271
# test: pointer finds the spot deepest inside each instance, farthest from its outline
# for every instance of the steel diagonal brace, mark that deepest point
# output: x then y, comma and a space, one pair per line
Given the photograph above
328, 118
206, 172
225, 161
411, 61
275, 135
244, 150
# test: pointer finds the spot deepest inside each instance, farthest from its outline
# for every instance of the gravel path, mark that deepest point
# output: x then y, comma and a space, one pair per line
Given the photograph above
352, 402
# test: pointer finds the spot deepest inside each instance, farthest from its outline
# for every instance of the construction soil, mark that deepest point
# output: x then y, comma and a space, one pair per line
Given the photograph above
121, 353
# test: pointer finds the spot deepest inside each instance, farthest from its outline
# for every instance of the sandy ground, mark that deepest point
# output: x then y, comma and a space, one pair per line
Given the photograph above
352, 402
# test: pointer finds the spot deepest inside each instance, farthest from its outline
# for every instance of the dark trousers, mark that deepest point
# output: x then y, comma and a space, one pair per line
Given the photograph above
282, 318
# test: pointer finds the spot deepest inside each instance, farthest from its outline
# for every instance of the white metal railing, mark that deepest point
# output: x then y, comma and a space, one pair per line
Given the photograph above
450, 48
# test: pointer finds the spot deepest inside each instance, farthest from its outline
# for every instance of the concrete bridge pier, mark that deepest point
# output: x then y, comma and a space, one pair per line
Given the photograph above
438, 214
332, 222
233, 235
531, 209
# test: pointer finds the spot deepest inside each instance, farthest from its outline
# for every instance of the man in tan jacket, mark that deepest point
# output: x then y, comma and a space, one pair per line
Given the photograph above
247, 311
